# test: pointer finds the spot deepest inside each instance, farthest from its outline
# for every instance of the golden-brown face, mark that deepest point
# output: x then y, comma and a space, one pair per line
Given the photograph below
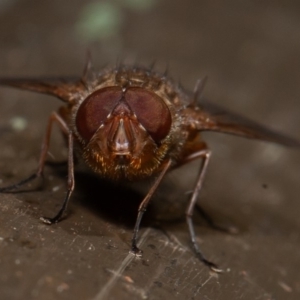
124, 131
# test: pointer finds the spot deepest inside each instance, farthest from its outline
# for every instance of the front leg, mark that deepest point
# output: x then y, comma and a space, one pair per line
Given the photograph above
143, 206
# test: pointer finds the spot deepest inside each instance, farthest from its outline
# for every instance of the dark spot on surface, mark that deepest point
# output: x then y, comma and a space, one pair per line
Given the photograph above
110, 247
145, 263
28, 244
152, 246
158, 283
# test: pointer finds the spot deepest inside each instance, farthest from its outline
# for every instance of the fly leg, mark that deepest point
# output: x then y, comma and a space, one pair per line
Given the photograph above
71, 184
205, 155
54, 117
45, 145
16, 186
143, 206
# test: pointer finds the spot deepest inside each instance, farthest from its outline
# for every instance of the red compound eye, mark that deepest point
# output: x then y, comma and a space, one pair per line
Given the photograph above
94, 110
151, 111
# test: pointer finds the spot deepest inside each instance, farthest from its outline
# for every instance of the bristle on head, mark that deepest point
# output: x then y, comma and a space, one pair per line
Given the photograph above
88, 71
198, 90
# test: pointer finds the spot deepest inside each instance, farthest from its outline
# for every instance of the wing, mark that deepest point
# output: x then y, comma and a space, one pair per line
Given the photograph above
66, 89
211, 117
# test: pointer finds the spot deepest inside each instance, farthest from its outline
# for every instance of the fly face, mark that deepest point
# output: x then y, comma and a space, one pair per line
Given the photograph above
123, 131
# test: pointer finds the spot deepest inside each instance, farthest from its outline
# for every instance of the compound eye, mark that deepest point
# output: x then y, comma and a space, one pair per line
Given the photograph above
94, 110
151, 111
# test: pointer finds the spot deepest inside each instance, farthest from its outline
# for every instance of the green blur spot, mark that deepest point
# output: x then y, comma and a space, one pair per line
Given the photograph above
99, 20
18, 123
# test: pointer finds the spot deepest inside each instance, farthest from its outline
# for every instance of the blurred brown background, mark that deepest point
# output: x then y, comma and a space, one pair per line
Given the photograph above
250, 52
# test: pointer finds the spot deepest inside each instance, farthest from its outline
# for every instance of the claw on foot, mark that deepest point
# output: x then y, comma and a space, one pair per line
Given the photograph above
136, 251
211, 265
48, 221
